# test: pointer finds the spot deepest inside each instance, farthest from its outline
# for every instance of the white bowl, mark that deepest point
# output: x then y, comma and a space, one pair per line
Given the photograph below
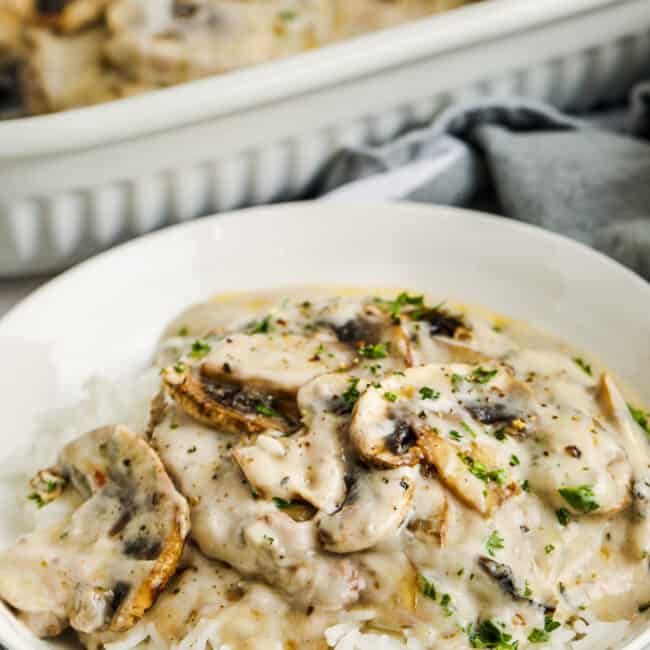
105, 315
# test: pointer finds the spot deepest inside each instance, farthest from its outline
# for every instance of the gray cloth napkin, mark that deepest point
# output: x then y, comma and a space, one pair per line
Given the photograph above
586, 178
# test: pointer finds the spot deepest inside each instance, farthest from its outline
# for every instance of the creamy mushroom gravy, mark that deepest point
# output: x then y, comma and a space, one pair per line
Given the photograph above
437, 474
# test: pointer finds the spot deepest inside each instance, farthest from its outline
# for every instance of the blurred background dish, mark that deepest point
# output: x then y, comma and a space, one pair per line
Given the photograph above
79, 181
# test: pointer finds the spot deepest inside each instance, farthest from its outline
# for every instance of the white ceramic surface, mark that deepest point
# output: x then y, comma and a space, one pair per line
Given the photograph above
77, 182
105, 315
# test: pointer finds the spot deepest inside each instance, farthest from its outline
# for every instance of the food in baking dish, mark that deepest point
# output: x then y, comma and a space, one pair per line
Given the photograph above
69, 53
345, 471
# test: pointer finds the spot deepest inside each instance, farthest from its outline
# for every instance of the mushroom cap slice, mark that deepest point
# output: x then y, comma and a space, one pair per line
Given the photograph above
376, 506
103, 566
248, 383
453, 468
308, 466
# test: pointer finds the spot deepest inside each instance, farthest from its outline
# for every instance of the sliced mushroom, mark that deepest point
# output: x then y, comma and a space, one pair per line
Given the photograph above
249, 382
309, 466
375, 508
503, 575
233, 524
390, 418
454, 469
63, 72
618, 414
70, 15
103, 566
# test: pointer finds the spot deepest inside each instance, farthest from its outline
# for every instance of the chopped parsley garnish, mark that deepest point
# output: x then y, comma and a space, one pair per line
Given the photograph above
468, 429
491, 634
514, 460
287, 14
183, 331
445, 604
481, 376
528, 592
456, 380
377, 351
51, 486
263, 409
580, 498
263, 326
500, 434
563, 516
180, 367
494, 543
481, 472
640, 417
583, 365
37, 499
280, 504
429, 393
427, 587
319, 350
397, 306
352, 394
525, 485
549, 548
543, 636
192, 449
199, 349
455, 435
391, 397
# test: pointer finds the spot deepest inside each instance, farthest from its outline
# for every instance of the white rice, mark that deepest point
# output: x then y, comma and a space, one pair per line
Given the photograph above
127, 402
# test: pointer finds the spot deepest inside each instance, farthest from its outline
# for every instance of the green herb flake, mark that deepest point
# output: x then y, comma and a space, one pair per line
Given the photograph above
549, 548
481, 376
280, 504
500, 434
456, 381
494, 543
543, 636
180, 367
192, 449
525, 485
455, 435
352, 394
580, 498
262, 409
402, 302
199, 349
445, 604
378, 351
427, 587
514, 461
563, 516
263, 326
37, 499
429, 393
51, 486
469, 429
491, 634
528, 592
641, 417
583, 365
391, 397
287, 15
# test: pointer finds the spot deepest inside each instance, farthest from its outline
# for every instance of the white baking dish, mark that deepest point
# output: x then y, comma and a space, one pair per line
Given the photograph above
76, 182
